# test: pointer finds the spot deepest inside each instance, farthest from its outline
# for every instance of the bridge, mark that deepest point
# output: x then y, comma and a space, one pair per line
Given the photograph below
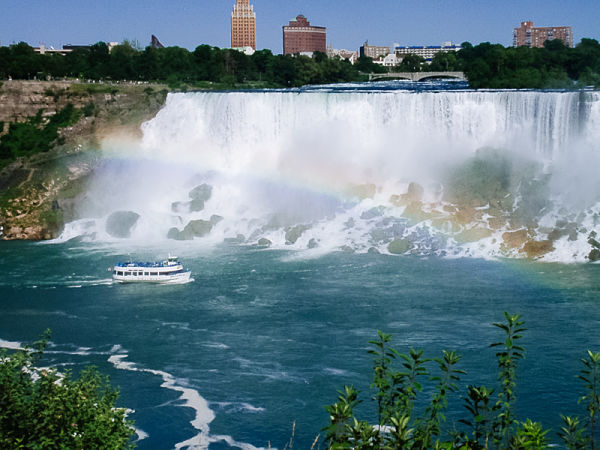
416, 76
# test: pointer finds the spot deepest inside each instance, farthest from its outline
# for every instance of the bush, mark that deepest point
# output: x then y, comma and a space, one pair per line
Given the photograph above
42, 408
36, 135
491, 421
89, 109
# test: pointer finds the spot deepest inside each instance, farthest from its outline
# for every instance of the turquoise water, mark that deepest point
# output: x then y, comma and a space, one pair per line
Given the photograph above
264, 338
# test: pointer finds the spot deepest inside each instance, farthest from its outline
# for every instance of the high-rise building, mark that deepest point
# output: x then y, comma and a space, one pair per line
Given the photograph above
529, 36
243, 25
300, 37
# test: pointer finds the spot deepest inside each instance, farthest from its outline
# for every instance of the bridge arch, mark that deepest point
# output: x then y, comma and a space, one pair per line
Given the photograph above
416, 76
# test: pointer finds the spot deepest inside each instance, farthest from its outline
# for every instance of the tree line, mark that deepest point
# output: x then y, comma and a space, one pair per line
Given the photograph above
485, 65
493, 66
176, 65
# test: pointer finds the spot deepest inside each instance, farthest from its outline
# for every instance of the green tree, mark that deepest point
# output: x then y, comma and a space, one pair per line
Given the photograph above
443, 62
99, 61
411, 63
42, 408
123, 62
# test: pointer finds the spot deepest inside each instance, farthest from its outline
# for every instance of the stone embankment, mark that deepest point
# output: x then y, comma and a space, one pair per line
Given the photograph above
36, 194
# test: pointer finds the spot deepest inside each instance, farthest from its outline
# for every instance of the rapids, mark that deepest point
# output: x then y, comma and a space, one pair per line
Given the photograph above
449, 172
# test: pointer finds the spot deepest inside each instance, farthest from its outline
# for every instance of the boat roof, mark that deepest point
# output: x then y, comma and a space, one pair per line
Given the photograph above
143, 263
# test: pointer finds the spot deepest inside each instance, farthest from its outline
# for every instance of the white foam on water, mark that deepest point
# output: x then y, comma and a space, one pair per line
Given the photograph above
11, 345
191, 399
141, 435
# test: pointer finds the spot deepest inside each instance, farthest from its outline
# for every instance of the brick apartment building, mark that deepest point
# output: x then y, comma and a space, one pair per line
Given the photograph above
374, 51
529, 36
243, 25
300, 36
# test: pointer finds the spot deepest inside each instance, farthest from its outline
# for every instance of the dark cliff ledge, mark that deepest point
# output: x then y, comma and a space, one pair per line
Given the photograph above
37, 191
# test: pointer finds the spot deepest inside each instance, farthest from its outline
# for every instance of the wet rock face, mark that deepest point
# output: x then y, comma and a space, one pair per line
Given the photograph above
33, 233
199, 195
120, 223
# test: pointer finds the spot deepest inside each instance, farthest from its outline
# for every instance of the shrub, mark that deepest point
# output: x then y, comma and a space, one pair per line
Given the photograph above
42, 408
492, 422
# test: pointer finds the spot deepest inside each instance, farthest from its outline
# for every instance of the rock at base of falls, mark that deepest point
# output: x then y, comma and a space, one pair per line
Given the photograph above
120, 223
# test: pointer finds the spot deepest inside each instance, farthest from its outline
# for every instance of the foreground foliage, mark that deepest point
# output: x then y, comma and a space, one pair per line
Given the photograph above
491, 422
40, 408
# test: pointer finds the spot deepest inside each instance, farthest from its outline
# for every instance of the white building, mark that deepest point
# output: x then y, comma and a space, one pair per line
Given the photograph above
390, 60
343, 54
427, 52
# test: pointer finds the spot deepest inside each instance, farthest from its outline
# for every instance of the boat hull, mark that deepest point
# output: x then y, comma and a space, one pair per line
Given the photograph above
178, 278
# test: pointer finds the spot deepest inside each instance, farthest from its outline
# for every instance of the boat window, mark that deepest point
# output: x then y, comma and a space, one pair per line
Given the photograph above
120, 273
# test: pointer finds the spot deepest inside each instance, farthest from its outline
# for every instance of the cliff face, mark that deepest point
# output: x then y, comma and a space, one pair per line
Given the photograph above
37, 193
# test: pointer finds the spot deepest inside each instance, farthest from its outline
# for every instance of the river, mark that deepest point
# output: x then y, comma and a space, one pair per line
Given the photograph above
266, 334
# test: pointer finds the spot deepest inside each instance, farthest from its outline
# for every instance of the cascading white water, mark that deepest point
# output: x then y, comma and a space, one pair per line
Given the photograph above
279, 159
355, 136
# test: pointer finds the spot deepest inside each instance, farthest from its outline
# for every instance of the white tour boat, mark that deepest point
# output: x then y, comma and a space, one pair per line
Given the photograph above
170, 271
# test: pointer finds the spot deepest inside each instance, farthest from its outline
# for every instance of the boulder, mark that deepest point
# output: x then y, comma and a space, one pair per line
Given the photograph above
594, 255
180, 207
174, 233
372, 213
415, 193
313, 243
120, 223
373, 251
215, 219
197, 228
399, 246
293, 234
199, 195
537, 249
264, 242
515, 239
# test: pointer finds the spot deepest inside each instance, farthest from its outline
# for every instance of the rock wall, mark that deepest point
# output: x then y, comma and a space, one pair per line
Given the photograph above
36, 194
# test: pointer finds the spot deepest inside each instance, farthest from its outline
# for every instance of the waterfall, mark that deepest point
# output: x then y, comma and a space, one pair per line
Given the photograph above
361, 171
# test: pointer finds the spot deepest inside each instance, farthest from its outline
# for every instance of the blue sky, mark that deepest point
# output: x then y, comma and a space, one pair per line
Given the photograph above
188, 23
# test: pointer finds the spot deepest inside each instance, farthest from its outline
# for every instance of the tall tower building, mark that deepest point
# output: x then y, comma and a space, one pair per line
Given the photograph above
243, 25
